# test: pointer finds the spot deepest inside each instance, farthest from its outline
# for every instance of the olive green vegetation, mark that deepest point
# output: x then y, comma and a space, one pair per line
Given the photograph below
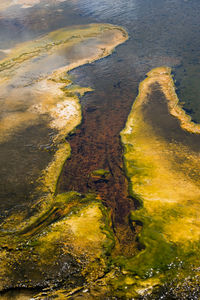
66, 240
66, 245
168, 244
100, 174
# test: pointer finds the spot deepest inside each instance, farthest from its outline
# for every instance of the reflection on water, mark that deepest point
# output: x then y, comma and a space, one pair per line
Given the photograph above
18, 24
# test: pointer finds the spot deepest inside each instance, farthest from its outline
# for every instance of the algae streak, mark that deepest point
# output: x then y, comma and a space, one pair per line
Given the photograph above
161, 157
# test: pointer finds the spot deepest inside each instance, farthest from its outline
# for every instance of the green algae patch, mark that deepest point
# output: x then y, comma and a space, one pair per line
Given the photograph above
100, 174
161, 153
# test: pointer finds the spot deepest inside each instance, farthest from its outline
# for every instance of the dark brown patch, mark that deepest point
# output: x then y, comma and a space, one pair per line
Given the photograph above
96, 145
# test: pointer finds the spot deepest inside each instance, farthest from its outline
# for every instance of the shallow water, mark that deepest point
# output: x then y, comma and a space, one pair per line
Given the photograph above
162, 32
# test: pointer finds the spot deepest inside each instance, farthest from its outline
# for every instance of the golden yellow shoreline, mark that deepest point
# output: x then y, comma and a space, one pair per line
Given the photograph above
162, 76
161, 158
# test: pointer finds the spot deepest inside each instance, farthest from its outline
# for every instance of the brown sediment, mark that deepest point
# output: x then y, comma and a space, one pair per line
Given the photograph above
94, 146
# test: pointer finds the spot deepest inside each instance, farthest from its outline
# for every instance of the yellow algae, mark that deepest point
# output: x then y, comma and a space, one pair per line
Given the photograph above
86, 229
161, 157
4, 268
80, 233
163, 76
52, 172
152, 156
64, 38
187, 230
73, 233
24, 89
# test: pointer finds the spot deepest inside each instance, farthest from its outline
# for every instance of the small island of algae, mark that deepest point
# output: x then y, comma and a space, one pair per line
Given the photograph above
161, 157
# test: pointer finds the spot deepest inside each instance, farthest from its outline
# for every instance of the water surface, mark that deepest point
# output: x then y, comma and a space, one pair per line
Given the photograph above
162, 32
